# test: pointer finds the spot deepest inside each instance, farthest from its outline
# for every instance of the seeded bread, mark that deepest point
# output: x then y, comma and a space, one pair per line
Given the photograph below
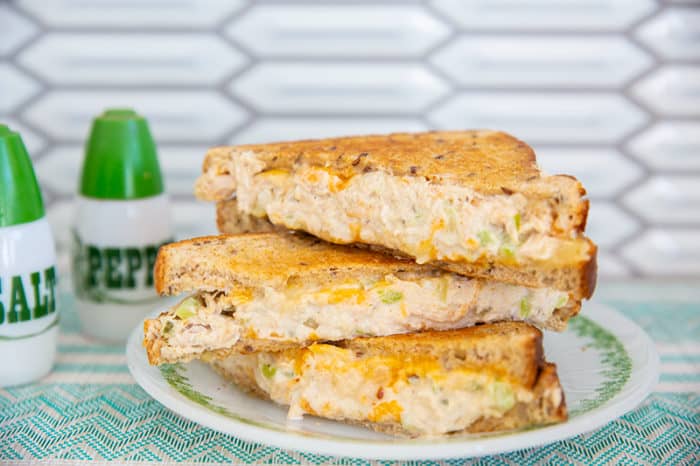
155, 341
513, 350
276, 259
231, 221
233, 265
545, 408
480, 347
489, 162
221, 263
578, 278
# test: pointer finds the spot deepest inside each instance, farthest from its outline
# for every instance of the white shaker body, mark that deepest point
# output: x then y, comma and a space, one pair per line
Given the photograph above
29, 310
115, 243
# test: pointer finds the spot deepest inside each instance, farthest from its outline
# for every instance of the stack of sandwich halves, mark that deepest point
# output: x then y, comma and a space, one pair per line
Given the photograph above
395, 281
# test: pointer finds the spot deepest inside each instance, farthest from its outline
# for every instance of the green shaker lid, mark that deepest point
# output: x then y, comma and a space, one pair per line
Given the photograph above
120, 158
20, 198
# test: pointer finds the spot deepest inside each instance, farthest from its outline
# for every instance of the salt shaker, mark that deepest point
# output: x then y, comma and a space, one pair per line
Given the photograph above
122, 218
28, 307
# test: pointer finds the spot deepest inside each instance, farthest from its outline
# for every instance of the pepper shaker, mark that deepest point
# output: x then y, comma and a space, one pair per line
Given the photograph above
122, 218
28, 308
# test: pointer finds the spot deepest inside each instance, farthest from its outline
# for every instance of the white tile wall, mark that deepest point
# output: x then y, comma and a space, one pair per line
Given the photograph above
14, 29
175, 115
606, 90
672, 91
15, 88
110, 59
542, 117
669, 145
585, 164
163, 14
339, 88
541, 61
538, 15
345, 30
292, 128
673, 33
667, 199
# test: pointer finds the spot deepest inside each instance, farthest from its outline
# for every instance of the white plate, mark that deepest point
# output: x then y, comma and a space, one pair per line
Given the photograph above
606, 363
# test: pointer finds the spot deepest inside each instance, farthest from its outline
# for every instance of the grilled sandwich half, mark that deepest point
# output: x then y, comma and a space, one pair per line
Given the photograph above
473, 202
271, 291
486, 378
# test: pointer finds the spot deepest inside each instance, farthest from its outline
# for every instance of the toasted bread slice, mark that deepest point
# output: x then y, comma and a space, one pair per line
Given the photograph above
473, 202
271, 291
480, 379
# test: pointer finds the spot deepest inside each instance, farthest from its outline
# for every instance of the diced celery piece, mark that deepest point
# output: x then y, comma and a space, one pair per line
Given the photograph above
516, 219
311, 323
563, 299
390, 296
268, 370
485, 237
451, 218
508, 251
187, 308
442, 288
503, 396
525, 307
475, 386
167, 327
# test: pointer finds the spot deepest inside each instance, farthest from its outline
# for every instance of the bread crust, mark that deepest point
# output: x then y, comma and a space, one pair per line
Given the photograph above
490, 162
548, 404
541, 411
224, 262
485, 159
154, 346
480, 347
579, 278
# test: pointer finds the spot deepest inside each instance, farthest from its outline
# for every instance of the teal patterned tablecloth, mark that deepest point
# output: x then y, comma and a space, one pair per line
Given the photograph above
90, 411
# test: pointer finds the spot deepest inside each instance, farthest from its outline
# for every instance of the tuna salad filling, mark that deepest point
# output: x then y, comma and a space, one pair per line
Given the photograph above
415, 392
393, 304
425, 220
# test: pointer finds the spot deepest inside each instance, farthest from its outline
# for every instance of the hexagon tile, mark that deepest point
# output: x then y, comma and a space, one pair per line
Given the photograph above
15, 87
140, 14
673, 33
667, 199
669, 145
201, 116
542, 61
337, 30
552, 15
14, 30
288, 129
338, 88
541, 117
133, 60
610, 266
193, 219
607, 224
585, 165
665, 252
672, 90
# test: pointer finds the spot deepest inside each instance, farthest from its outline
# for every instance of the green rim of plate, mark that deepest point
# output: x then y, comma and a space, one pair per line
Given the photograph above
614, 358
617, 365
